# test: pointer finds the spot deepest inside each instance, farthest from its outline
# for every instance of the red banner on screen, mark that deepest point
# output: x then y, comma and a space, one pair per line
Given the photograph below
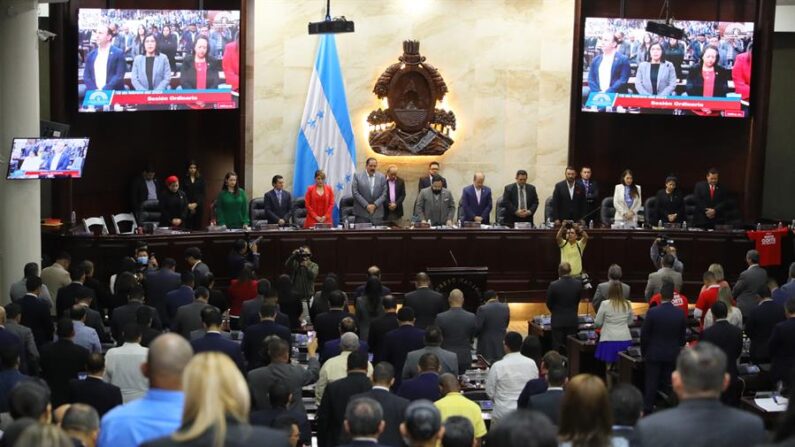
681, 103
37, 174
130, 98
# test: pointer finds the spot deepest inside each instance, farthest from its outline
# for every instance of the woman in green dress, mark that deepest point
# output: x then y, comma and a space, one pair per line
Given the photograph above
231, 206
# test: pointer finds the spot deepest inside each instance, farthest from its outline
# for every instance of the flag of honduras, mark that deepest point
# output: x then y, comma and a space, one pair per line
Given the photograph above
325, 139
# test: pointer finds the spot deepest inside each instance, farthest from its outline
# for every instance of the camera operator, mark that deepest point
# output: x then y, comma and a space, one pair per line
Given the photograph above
302, 273
571, 240
664, 246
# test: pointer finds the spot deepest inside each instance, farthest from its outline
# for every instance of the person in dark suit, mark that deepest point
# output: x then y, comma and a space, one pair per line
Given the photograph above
568, 198
213, 340
670, 203
188, 317
94, 390
662, 337
372, 272
520, 201
426, 302
67, 296
448, 360
280, 399
364, 422
100, 289
181, 296
61, 361
749, 283
126, 314
160, 282
760, 323
382, 326
399, 342
249, 311
458, 328
143, 187
729, 339
173, 204
395, 195
563, 300
331, 413
369, 194
327, 324
492, 320
192, 77
144, 316
111, 75
426, 384
711, 201
192, 184
278, 203
696, 81
29, 355
392, 406
332, 348
548, 402
619, 73
700, 419
188, 38
591, 188
626, 403
476, 201
552, 359
433, 169
782, 347
254, 334
35, 312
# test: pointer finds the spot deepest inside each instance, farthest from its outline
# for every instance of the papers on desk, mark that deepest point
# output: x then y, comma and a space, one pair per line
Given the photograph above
772, 405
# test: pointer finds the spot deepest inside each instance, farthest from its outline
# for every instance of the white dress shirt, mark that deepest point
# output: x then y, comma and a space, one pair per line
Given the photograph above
477, 194
101, 67
606, 71
335, 368
123, 369
506, 380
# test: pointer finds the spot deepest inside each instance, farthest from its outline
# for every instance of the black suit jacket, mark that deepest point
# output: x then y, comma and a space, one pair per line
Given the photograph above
94, 321
274, 211
237, 435
782, 351
759, 326
60, 363
327, 325
663, 333
253, 336
331, 413
36, 316
669, 204
139, 192
394, 408
548, 403
729, 338
510, 201
703, 201
102, 293
563, 206
212, 342
400, 196
563, 300
398, 344
427, 304
188, 74
425, 182
158, 284
591, 193
126, 314
67, 297
95, 392
378, 330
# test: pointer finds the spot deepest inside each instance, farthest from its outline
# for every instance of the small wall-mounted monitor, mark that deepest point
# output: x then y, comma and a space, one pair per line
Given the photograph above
42, 158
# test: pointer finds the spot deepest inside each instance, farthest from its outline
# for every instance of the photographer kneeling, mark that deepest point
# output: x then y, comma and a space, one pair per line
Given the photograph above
571, 240
664, 246
303, 272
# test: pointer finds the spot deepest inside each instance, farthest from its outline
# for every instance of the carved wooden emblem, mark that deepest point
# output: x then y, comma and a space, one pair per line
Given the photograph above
411, 125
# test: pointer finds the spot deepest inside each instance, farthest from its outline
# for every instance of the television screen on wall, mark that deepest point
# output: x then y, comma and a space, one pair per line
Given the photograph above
708, 73
38, 158
141, 59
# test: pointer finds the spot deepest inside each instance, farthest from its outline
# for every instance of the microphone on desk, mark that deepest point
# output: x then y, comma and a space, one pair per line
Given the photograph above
453, 256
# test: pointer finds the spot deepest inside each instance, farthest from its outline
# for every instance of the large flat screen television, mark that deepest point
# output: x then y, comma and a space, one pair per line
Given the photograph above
38, 158
142, 59
708, 73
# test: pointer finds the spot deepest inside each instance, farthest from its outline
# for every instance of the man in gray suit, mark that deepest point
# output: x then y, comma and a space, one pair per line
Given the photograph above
281, 370
369, 194
189, 316
749, 283
700, 419
433, 344
655, 281
602, 290
13, 318
492, 320
436, 204
458, 328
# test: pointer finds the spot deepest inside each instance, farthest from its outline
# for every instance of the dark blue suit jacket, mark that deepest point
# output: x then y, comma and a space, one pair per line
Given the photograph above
663, 333
253, 336
274, 211
619, 75
117, 65
176, 299
469, 202
36, 316
332, 348
216, 343
158, 284
398, 344
424, 386
782, 350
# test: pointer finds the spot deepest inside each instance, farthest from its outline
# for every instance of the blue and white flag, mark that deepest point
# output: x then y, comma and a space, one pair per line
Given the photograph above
325, 139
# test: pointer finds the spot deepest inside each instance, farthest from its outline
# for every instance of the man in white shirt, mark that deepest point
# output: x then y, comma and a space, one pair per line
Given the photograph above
336, 368
507, 377
123, 365
610, 70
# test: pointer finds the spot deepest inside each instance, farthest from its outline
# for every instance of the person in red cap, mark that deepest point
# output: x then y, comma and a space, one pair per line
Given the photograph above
173, 204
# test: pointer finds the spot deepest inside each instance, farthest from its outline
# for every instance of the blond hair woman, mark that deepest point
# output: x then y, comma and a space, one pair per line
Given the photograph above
217, 403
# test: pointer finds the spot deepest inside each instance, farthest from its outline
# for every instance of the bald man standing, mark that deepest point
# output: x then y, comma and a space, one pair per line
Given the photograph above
159, 412
458, 330
476, 201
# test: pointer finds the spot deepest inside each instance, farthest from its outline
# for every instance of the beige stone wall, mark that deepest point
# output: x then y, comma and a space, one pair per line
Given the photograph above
506, 63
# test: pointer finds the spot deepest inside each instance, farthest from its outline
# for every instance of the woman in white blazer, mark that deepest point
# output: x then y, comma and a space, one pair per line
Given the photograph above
656, 77
151, 70
627, 200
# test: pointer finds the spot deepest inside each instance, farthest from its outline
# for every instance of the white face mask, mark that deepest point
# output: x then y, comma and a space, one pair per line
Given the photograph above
143, 260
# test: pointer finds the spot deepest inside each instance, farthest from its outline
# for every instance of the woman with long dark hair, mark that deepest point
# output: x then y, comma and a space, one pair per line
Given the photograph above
231, 205
151, 70
195, 188
200, 71
627, 200
369, 306
288, 302
320, 302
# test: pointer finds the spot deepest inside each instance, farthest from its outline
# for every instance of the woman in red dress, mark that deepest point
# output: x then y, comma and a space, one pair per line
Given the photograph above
319, 202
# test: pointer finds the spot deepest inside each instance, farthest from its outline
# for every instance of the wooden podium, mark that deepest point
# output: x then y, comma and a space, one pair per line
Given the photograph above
470, 280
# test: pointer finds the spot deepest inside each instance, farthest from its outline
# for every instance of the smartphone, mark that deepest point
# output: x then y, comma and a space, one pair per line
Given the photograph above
310, 335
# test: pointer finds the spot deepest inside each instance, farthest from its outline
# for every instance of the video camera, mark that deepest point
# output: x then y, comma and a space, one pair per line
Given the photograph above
303, 253
664, 240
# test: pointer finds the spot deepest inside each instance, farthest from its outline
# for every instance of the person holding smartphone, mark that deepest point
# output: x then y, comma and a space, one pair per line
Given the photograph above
243, 253
571, 240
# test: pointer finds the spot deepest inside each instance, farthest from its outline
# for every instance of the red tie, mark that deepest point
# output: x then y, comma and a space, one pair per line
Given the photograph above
711, 192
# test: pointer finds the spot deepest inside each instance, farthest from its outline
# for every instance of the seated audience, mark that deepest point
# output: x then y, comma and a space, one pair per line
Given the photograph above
364, 422
458, 328
433, 340
454, 404
507, 377
61, 361
626, 403
331, 412
93, 390
700, 418
425, 385
585, 418
491, 320
422, 426
123, 365
393, 406
458, 432
782, 347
